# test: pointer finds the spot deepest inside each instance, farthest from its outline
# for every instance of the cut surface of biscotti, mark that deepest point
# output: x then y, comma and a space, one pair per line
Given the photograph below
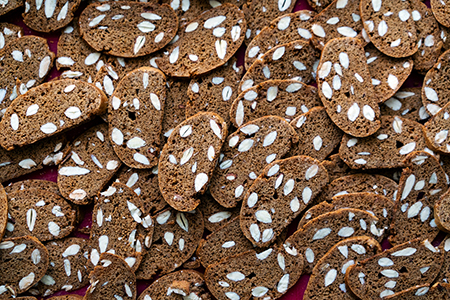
9, 32
10, 5
345, 89
406, 103
185, 170
3, 211
205, 43
444, 274
189, 10
128, 29
328, 276
214, 214
23, 262
175, 108
284, 98
245, 154
394, 270
35, 115
441, 212
279, 195
439, 291
436, 131
107, 79
441, 11
49, 16
33, 184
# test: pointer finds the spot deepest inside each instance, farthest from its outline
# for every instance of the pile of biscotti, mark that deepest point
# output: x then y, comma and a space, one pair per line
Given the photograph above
223, 183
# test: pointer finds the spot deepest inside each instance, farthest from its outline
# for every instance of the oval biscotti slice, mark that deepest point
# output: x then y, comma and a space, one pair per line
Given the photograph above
245, 154
345, 89
135, 114
47, 16
8, 33
35, 115
320, 234
3, 211
252, 275
185, 170
205, 43
128, 29
441, 11
279, 195
394, 270
23, 262
285, 98
406, 103
175, 107
214, 214
436, 131
328, 276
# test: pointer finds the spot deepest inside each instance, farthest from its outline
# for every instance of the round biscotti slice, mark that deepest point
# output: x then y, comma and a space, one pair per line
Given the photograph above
215, 92
245, 154
175, 107
135, 114
278, 196
441, 11
391, 26
214, 214
345, 89
250, 275
320, 234
282, 30
439, 291
421, 184
8, 33
128, 29
205, 43
295, 60
91, 165
184, 284
35, 115
394, 270
9, 5
285, 98
435, 94
33, 184
387, 148
406, 103
318, 135
3, 211
185, 170
23, 262
441, 212
328, 276
49, 16
175, 239
111, 279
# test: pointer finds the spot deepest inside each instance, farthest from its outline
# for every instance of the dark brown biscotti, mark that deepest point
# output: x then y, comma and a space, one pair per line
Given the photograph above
444, 274
319, 5
35, 115
281, 193
128, 29
436, 131
445, 37
28, 60
328, 276
175, 108
92, 163
285, 98
320, 234
282, 30
394, 270
439, 291
49, 16
421, 184
345, 89
117, 216
245, 154
23, 262
185, 169
9, 5
111, 279
445, 164
387, 73
441, 212
251, 275
318, 135
406, 103
8, 33
3, 211
295, 60
214, 214
215, 92
387, 148
135, 114
336, 167
391, 26
205, 43
107, 79
175, 239
188, 10
33, 184
441, 11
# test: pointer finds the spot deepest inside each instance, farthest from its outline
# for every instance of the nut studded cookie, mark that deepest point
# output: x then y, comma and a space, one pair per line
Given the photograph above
8, 33
394, 270
387, 148
135, 114
345, 88
175, 107
250, 275
441, 11
295, 60
421, 185
9, 5
391, 26
245, 154
214, 214
328, 276
185, 170
3, 211
111, 279
318, 136
278, 196
23, 262
436, 131
285, 98
205, 43
33, 184
282, 30
406, 103
128, 29
439, 291
441, 212
175, 239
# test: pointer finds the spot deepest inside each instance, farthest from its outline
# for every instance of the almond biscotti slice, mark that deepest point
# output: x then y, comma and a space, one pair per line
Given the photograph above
436, 131
435, 94
441, 11
48, 16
